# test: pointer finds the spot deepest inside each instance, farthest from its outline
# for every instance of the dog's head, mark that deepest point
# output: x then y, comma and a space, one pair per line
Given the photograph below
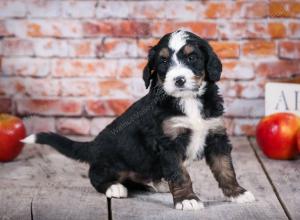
180, 62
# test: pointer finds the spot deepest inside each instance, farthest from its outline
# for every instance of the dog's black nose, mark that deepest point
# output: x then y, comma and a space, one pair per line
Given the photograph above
180, 81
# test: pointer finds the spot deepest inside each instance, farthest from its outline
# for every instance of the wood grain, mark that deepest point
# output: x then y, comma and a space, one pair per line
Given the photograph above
43, 184
285, 176
250, 175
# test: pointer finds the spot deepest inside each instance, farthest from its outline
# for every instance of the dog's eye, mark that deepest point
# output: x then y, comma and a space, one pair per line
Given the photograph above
191, 58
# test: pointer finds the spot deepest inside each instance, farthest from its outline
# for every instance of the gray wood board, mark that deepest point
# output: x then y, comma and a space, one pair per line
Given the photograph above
250, 175
47, 185
285, 176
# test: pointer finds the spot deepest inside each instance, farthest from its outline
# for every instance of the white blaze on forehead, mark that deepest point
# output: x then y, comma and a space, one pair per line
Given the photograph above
177, 40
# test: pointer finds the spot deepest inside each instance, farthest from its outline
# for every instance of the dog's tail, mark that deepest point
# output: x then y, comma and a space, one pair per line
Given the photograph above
76, 150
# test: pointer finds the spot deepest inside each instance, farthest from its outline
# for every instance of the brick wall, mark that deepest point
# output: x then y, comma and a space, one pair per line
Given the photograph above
72, 66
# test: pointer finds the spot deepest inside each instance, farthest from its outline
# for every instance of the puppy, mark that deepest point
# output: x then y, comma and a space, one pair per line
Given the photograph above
178, 121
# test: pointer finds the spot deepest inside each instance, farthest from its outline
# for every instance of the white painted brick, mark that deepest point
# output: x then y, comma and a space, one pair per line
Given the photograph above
11, 8
113, 9
119, 48
79, 9
98, 124
76, 126
17, 47
43, 8
235, 107
25, 67
35, 124
50, 48
238, 70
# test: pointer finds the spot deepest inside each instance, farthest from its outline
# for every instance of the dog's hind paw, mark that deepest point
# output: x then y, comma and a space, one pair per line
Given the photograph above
192, 204
243, 198
116, 191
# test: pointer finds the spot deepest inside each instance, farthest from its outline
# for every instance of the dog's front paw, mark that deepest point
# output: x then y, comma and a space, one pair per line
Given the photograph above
116, 191
243, 198
187, 204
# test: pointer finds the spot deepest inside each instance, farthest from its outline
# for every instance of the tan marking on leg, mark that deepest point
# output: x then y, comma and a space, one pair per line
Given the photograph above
223, 170
183, 190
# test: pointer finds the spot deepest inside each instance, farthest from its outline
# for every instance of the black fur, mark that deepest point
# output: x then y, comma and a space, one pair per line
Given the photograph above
135, 141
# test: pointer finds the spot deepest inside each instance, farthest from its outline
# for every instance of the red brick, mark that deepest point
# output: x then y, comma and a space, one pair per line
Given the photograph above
25, 67
84, 67
228, 123
35, 124
203, 29
125, 28
238, 70
122, 88
294, 30
235, 107
144, 45
280, 68
131, 67
206, 30
79, 87
277, 30
232, 30
17, 47
110, 107
284, 9
118, 48
78, 9
113, 88
3, 31
259, 48
5, 105
289, 49
84, 48
226, 49
71, 107
245, 126
98, 124
256, 30
253, 9
219, 10
51, 28
74, 126
12, 8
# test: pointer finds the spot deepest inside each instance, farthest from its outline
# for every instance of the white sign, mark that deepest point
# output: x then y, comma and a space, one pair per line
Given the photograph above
282, 97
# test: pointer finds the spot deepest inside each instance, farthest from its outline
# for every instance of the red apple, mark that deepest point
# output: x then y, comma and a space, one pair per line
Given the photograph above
12, 130
277, 135
298, 140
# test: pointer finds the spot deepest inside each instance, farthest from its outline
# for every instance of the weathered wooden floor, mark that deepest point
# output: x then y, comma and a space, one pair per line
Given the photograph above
42, 184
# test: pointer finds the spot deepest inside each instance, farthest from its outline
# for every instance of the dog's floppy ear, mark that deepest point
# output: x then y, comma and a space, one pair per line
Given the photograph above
213, 63
149, 68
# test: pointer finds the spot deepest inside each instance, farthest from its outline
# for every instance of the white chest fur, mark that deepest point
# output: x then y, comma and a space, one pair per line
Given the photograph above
194, 121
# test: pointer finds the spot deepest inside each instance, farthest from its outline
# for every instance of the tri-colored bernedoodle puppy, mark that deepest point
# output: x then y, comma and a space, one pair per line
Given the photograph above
178, 121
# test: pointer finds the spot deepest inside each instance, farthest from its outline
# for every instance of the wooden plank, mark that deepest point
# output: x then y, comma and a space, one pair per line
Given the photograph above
48, 185
15, 202
250, 175
285, 176
80, 203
